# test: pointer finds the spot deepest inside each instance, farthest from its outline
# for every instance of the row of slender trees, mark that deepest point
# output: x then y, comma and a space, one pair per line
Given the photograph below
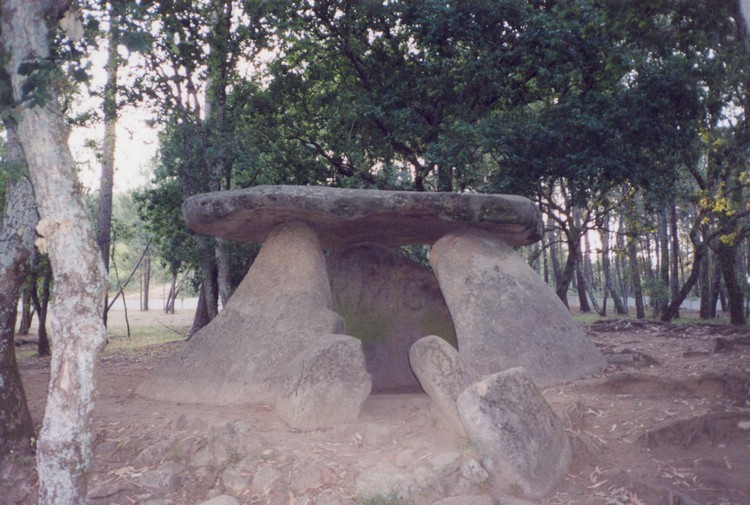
622, 119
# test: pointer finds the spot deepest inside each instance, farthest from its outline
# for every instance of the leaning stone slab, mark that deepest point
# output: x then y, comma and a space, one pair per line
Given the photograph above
443, 375
281, 308
389, 302
325, 384
505, 315
522, 442
342, 217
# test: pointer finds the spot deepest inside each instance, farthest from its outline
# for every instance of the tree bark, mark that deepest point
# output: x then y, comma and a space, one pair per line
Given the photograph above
705, 288
106, 180
699, 253
635, 275
67, 234
674, 280
660, 302
727, 254
145, 282
16, 244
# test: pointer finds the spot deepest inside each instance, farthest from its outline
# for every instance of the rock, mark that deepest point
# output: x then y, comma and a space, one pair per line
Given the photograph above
325, 384
165, 477
472, 470
329, 497
343, 217
264, 479
221, 500
388, 302
443, 375
383, 481
280, 309
522, 442
376, 435
308, 476
445, 463
476, 499
505, 315
237, 477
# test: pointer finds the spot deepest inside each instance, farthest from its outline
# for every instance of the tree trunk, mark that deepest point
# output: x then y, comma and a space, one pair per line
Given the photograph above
727, 254
67, 234
705, 277
715, 287
699, 260
555, 259
609, 285
16, 244
570, 269
41, 265
145, 282
106, 180
27, 314
660, 297
635, 276
674, 280
201, 318
223, 268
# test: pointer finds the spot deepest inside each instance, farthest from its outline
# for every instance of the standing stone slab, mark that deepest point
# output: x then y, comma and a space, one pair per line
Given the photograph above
443, 375
389, 302
281, 307
522, 442
505, 316
325, 384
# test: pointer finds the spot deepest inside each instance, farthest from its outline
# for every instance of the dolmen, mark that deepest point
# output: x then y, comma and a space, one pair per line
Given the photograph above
330, 311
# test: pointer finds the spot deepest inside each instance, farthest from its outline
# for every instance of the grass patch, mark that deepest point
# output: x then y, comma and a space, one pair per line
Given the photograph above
143, 335
383, 500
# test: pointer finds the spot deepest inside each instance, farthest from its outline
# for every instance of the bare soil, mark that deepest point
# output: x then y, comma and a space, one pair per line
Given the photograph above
668, 422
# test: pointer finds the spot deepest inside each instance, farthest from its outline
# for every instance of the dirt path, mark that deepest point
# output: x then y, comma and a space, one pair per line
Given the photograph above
668, 422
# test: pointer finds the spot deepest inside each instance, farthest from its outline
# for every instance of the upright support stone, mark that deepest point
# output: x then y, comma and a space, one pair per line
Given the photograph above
505, 316
281, 307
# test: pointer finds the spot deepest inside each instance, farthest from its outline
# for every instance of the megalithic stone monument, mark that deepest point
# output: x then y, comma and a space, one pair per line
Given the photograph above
282, 315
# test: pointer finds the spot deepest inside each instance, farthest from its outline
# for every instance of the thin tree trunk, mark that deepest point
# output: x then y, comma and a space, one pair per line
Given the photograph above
715, 286
705, 287
145, 282
555, 259
674, 281
106, 180
727, 255
699, 261
16, 245
635, 276
660, 300
41, 264
27, 313
67, 234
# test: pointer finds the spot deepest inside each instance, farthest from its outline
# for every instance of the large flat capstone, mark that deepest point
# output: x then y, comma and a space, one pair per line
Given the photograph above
341, 217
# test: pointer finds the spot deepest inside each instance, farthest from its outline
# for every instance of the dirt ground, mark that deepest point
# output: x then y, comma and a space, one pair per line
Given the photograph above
668, 422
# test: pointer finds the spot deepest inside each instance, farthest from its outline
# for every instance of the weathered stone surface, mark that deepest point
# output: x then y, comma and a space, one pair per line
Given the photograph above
280, 308
476, 499
388, 302
522, 442
221, 500
325, 384
504, 314
347, 216
443, 375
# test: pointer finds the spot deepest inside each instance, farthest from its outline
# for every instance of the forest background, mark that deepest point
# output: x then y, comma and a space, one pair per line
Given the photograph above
625, 121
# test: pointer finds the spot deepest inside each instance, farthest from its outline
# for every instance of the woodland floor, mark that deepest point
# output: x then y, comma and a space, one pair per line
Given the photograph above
668, 422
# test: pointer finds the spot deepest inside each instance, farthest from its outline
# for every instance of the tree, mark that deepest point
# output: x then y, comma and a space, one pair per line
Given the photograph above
106, 180
16, 244
67, 234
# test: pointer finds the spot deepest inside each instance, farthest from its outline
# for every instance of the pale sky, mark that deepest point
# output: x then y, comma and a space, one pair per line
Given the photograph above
136, 146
